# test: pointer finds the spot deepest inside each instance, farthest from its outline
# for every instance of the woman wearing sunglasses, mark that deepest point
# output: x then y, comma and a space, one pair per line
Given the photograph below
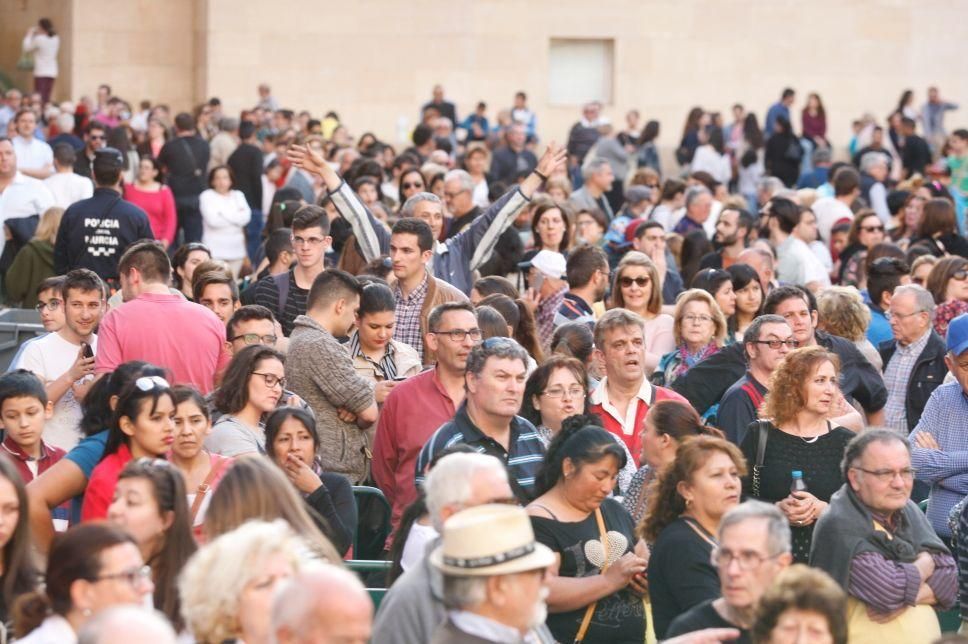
411, 182
866, 231
252, 387
948, 283
636, 287
142, 427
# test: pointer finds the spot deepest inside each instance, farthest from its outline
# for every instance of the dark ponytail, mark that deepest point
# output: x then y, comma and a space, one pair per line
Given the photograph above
580, 442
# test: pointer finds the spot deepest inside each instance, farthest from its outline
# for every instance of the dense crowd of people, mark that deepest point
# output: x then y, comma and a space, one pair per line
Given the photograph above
608, 396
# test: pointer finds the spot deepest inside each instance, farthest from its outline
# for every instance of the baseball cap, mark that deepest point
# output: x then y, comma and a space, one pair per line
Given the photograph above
957, 339
550, 263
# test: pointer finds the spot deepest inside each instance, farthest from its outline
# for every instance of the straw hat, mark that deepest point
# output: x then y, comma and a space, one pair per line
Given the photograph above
490, 540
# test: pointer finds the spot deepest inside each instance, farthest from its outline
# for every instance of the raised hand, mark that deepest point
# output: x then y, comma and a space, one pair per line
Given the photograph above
303, 156
554, 157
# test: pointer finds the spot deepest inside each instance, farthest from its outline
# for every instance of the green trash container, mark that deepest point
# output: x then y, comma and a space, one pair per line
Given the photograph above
16, 327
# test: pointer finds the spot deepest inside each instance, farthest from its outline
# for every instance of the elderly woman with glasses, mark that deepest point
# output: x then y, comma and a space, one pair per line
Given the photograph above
91, 568
699, 330
252, 387
795, 451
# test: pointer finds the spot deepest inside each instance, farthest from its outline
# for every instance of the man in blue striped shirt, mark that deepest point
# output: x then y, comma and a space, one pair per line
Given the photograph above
488, 420
939, 442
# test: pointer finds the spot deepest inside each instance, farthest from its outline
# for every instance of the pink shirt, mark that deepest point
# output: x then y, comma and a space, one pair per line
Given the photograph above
167, 331
160, 208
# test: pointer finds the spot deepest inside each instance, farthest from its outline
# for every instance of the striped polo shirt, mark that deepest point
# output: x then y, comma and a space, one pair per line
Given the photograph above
524, 457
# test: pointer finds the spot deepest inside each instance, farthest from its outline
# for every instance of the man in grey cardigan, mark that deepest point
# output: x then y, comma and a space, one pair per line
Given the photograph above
319, 370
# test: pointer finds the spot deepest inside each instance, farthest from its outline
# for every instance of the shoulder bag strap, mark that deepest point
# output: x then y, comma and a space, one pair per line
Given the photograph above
282, 285
587, 619
206, 485
191, 155
763, 430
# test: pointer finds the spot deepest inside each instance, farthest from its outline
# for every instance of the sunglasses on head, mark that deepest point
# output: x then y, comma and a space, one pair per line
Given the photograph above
148, 383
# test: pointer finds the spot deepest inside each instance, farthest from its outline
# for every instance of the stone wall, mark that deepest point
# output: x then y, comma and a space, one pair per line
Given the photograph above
374, 61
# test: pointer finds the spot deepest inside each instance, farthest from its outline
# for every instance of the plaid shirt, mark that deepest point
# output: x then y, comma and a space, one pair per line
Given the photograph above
945, 417
897, 372
409, 308
547, 310
386, 368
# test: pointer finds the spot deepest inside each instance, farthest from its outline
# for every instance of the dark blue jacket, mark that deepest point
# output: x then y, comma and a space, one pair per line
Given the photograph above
927, 375
95, 232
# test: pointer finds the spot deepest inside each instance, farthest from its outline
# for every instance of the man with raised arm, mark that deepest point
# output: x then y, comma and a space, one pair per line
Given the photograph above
455, 259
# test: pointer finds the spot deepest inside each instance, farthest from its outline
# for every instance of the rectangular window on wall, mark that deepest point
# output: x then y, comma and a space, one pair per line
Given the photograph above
580, 70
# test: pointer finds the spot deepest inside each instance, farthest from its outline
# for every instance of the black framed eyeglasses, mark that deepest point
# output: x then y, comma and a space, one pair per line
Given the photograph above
271, 379
51, 305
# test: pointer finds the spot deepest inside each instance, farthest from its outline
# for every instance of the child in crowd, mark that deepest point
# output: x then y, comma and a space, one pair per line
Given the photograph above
24, 409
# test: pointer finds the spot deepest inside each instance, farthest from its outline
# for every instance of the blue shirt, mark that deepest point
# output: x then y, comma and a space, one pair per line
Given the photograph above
524, 457
776, 110
879, 330
946, 470
86, 455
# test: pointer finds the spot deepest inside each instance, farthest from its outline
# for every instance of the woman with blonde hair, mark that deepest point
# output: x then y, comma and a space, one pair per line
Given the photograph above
637, 287
34, 262
843, 312
699, 329
685, 505
227, 586
798, 438
254, 488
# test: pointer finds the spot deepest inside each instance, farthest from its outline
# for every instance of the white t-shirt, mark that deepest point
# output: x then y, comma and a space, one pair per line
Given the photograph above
50, 357
796, 264
69, 187
25, 196
32, 153
829, 211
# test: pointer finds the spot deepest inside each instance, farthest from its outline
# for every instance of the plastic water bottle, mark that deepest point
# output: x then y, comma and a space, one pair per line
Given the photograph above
798, 485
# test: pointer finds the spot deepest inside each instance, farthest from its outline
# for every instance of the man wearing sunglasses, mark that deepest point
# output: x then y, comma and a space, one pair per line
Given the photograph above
95, 138
767, 340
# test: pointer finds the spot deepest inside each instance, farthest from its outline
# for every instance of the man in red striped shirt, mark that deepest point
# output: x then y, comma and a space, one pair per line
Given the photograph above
624, 395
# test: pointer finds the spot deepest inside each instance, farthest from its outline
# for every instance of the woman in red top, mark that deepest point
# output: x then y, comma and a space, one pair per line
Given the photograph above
155, 198
202, 470
143, 427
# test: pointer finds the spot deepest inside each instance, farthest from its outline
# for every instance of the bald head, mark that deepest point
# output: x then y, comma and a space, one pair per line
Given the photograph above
761, 261
324, 605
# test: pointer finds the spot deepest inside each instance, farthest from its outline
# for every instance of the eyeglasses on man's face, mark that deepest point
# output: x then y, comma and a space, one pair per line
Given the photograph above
776, 344
51, 305
458, 335
907, 474
255, 338
307, 241
747, 559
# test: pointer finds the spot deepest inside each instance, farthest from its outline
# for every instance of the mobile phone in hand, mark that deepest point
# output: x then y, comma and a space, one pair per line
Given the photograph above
88, 351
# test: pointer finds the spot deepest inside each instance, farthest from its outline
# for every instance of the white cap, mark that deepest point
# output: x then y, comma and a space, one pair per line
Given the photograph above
550, 263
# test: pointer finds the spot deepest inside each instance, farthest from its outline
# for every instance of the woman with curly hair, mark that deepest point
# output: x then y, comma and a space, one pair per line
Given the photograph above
802, 599
686, 503
799, 438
